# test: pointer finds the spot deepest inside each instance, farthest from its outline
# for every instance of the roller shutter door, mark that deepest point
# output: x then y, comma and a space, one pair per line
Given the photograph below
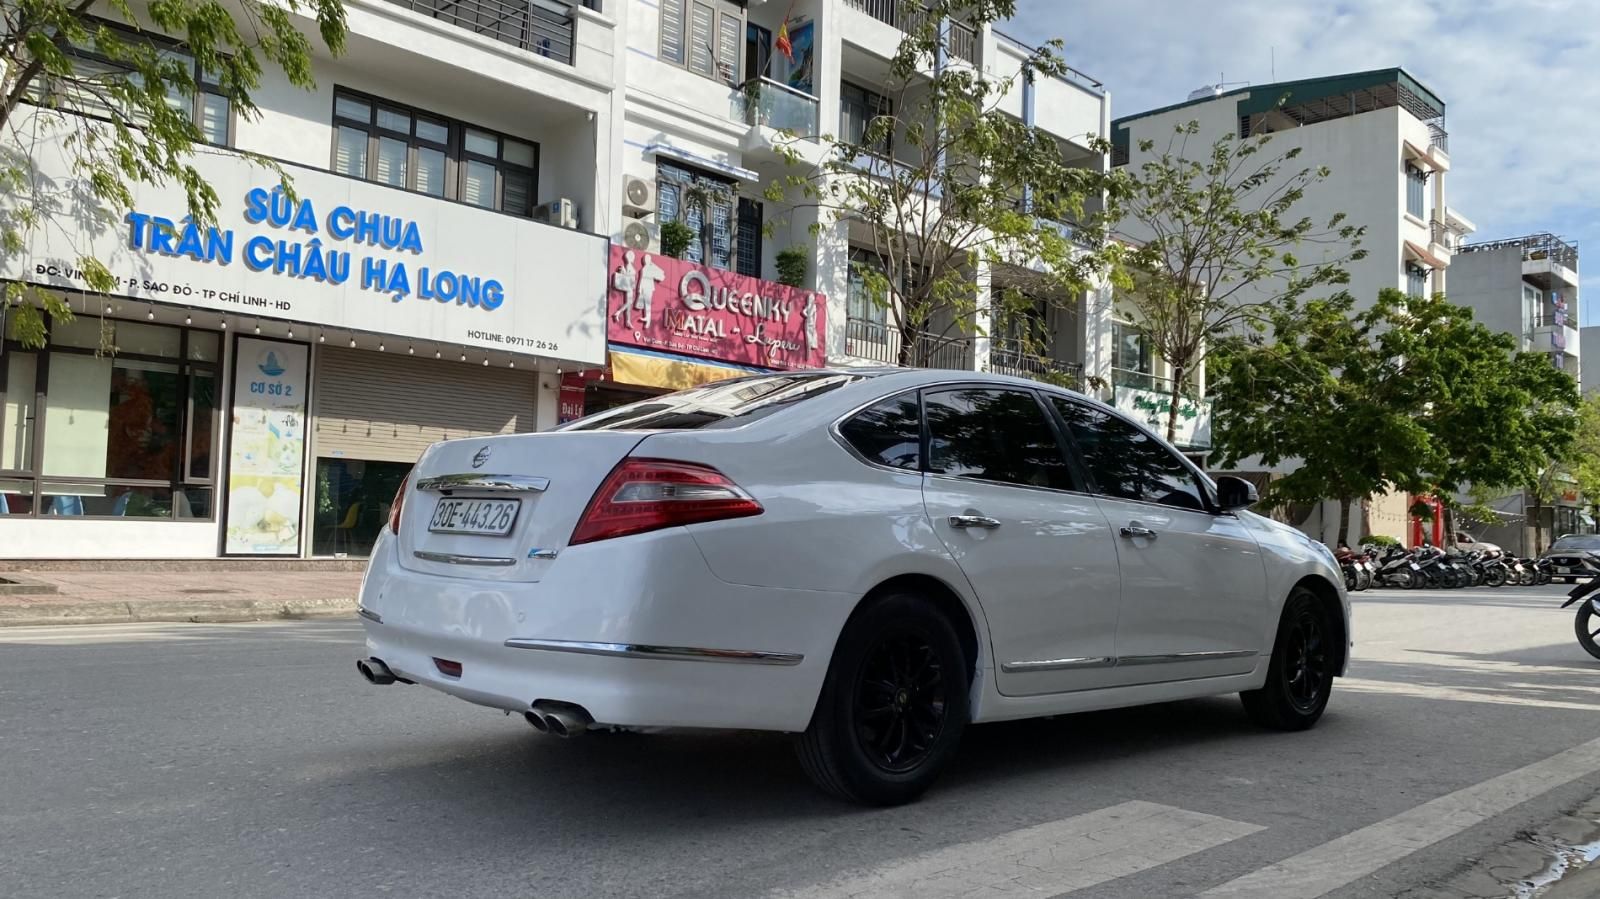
389, 408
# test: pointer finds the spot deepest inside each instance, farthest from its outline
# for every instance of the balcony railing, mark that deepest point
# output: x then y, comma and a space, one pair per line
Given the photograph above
1438, 137
542, 26
1440, 235
1008, 358
1139, 380
766, 102
904, 15
881, 343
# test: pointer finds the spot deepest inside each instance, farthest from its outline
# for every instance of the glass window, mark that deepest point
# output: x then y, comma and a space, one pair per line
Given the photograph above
723, 404
430, 171
888, 433
481, 143
213, 120
203, 346
516, 193
430, 130
203, 423
858, 109
703, 36
350, 155
353, 498
994, 435
16, 496
1416, 280
394, 120
1127, 463
861, 306
353, 108
748, 261
1416, 191
17, 415
518, 153
477, 184
675, 183
391, 167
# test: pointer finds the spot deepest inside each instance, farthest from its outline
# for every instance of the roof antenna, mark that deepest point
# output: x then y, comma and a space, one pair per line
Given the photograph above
1274, 52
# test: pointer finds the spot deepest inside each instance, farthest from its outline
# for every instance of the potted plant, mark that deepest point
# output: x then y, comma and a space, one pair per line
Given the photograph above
792, 264
676, 238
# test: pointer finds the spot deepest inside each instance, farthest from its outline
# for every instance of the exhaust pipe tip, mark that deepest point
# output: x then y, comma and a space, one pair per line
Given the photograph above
376, 672
537, 721
563, 719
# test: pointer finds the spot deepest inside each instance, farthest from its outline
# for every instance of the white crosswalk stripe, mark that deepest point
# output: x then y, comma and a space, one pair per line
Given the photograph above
1319, 871
83, 634
1043, 860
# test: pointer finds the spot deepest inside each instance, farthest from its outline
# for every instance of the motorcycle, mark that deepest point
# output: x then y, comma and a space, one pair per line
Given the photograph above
1491, 572
1434, 572
1397, 568
1587, 624
1356, 575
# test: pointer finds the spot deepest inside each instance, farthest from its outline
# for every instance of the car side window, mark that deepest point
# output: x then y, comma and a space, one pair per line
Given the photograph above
1127, 463
888, 432
994, 435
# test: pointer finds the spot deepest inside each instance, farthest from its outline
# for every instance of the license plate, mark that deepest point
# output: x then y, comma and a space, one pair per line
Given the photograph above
483, 517
1563, 570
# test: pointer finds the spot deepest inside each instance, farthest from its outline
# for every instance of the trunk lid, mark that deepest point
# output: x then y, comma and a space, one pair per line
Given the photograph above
465, 484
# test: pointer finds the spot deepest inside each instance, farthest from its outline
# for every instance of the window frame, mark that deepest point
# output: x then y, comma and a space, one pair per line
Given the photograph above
1075, 473
456, 154
723, 72
182, 478
879, 317
875, 106
1202, 481
680, 176
1417, 186
204, 84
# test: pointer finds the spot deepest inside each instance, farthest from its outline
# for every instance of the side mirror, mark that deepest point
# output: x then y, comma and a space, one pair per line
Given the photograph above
1234, 493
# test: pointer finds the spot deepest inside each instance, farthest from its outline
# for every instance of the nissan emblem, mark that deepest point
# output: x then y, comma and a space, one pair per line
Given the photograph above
481, 457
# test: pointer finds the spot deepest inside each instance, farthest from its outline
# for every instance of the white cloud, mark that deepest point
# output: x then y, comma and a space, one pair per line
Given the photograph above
1517, 78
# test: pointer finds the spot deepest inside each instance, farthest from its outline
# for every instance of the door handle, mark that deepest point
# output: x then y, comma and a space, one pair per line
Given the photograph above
974, 521
1138, 530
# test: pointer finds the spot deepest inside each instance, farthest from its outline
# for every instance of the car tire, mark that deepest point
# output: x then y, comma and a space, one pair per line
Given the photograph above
1300, 674
893, 705
1587, 626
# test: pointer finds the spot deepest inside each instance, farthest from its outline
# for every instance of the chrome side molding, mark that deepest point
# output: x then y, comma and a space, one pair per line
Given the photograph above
671, 653
368, 614
1057, 664
1186, 657
1109, 662
459, 559
487, 483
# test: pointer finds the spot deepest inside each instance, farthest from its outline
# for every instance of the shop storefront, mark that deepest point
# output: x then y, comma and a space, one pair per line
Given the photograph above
258, 387
673, 324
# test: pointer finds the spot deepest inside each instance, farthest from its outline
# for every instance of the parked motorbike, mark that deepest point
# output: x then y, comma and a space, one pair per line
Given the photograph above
1491, 571
1397, 568
1587, 624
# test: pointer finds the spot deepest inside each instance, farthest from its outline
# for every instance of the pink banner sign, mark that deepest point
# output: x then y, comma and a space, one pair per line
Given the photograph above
666, 304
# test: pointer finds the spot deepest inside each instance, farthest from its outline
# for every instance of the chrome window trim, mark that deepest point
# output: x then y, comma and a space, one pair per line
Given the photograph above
459, 559
485, 483
668, 653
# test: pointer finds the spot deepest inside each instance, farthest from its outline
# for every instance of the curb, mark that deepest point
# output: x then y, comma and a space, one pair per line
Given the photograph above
197, 611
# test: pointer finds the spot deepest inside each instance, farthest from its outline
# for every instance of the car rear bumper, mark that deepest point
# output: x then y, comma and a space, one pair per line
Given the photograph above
639, 634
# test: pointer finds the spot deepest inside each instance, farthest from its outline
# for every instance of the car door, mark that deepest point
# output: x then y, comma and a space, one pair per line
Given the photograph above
1033, 544
1194, 598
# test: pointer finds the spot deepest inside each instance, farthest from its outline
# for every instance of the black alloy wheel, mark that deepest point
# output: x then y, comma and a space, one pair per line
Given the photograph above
893, 705
1587, 626
1300, 674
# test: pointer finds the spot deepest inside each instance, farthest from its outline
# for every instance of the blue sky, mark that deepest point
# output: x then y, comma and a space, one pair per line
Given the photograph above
1519, 79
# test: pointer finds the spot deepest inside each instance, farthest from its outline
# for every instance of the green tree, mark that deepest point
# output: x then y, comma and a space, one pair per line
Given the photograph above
1324, 387
1585, 453
139, 84
941, 181
1410, 394
1219, 244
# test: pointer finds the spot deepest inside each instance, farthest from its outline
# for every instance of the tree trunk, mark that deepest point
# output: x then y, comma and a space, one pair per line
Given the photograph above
1344, 521
1173, 402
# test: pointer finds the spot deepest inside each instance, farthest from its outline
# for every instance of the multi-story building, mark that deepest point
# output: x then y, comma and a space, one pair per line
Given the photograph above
1589, 345
709, 102
1527, 287
1381, 136
260, 387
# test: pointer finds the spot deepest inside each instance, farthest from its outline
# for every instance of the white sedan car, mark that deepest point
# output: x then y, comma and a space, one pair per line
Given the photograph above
871, 560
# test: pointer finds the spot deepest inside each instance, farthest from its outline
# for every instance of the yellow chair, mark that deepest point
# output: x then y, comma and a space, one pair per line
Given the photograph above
345, 530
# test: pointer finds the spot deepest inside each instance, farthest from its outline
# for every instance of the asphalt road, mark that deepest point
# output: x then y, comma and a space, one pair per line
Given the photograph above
250, 760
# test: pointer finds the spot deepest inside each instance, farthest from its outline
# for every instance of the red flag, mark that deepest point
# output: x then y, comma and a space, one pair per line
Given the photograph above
782, 42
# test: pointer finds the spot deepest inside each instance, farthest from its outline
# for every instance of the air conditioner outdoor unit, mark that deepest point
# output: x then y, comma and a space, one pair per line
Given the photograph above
641, 235
638, 197
561, 212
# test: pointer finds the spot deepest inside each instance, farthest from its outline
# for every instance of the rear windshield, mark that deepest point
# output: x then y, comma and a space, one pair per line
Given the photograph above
723, 404
1577, 543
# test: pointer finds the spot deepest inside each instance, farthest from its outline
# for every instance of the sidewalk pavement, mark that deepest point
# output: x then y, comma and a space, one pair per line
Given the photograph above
102, 597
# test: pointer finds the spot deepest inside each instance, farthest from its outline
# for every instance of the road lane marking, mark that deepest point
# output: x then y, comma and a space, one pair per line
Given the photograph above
134, 632
1323, 869
1044, 860
1469, 694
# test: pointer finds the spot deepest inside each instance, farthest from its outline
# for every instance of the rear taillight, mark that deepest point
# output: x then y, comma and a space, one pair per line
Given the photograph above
649, 494
399, 502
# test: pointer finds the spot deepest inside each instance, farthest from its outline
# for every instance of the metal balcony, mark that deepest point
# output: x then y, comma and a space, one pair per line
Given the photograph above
540, 26
904, 15
1438, 137
878, 342
1008, 358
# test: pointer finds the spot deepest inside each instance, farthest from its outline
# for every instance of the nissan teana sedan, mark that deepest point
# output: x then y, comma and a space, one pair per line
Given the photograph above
871, 560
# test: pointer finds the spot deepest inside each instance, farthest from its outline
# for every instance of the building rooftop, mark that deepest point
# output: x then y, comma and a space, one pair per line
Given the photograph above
1290, 104
1543, 245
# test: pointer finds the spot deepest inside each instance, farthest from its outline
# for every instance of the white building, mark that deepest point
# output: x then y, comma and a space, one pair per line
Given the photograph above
273, 378
1527, 287
1381, 135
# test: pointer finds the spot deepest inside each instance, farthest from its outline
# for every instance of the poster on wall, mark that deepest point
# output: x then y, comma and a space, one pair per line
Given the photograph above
799, 74
266, 448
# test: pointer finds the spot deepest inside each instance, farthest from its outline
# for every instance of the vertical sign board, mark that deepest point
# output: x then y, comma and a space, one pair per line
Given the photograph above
266, 448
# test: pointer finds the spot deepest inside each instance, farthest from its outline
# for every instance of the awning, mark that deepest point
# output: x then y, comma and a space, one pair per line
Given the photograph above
1425, 257
1424, 159
705, 162
647, 368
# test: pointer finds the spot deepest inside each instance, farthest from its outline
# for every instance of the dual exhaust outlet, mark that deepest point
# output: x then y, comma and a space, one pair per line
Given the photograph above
547, 716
